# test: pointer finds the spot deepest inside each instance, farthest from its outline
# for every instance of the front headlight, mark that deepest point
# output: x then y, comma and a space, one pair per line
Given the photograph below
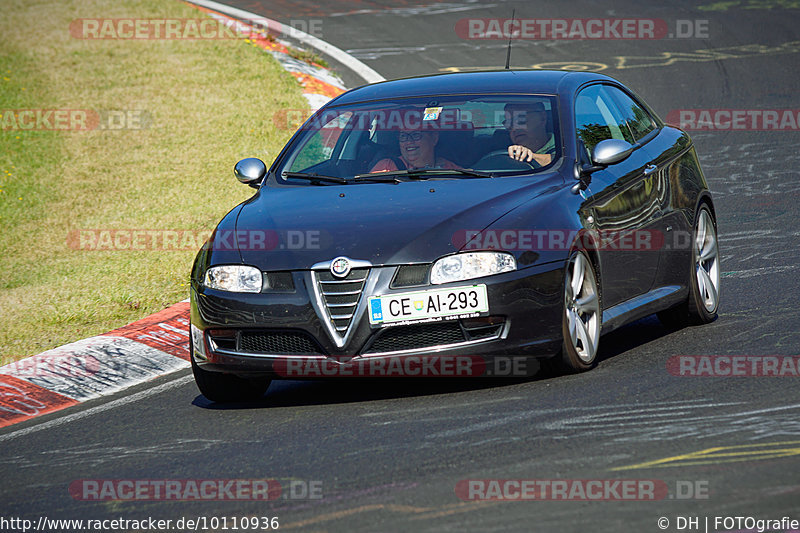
233, 278
470, 265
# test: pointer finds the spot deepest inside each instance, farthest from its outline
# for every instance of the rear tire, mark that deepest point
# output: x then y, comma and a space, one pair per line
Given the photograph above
581, 320
222, 388
703, 301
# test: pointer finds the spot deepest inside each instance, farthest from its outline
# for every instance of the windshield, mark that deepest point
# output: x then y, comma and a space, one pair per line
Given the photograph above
474, 136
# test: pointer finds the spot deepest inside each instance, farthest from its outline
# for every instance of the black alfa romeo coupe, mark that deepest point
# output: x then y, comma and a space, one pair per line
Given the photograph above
482, 214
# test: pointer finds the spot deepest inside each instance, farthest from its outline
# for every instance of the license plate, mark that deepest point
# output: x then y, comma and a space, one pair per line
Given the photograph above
430, 305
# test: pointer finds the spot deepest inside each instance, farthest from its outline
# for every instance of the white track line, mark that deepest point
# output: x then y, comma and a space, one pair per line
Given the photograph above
178, 382
369, 75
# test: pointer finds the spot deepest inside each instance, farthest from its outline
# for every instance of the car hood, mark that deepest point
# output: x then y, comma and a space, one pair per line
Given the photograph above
385, 224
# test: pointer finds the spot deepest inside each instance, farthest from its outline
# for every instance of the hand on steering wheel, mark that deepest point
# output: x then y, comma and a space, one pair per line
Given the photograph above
525, 154
520, 153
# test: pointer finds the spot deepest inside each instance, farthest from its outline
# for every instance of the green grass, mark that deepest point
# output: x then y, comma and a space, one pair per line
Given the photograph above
209, 103
307, 56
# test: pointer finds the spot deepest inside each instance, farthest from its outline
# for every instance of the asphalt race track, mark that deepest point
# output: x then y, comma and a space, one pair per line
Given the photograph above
387, 456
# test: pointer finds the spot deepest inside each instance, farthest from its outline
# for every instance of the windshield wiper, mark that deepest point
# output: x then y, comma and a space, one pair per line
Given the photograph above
473, 173
391, 176
425, 173
316, 178
378, 177
320, 178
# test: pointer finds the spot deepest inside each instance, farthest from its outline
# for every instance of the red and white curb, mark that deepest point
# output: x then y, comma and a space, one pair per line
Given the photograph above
97, 366
319, 84
159, 344
325, 48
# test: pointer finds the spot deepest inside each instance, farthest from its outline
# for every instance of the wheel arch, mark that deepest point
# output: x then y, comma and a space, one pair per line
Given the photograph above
704, 198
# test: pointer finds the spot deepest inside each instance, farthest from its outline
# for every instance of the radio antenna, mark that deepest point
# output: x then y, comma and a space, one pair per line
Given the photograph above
508, 53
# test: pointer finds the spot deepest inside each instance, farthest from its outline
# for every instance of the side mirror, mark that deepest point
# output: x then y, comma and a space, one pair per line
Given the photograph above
611, 151
250, 171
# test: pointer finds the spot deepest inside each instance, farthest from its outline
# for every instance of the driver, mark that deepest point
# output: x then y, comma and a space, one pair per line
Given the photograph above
417, 141
527, 127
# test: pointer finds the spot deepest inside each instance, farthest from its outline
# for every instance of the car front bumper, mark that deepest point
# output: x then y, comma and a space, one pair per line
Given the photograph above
263, 333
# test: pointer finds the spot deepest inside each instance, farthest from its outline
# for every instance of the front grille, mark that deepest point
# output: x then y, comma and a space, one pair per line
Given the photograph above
278, 342
419, 336
340, 296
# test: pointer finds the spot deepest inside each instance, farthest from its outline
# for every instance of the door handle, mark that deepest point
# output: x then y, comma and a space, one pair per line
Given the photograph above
649, 169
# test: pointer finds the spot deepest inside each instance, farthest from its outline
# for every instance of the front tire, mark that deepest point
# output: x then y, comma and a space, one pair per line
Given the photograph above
581, 320
222, 388
703, 301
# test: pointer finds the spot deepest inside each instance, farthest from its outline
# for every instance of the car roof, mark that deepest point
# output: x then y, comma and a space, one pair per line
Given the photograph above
473, 82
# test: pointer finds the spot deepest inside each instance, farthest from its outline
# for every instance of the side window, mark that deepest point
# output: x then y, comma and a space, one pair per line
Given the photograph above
637, 119
319, 147
597, 118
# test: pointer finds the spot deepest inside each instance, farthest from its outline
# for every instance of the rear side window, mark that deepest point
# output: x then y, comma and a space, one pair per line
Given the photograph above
637, 119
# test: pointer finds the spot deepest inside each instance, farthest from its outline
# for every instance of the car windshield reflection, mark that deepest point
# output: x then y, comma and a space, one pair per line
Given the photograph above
443, 138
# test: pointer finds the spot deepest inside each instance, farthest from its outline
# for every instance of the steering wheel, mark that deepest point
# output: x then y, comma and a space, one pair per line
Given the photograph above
499, 159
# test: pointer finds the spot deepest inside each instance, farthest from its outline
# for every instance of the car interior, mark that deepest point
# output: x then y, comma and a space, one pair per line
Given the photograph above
352, 150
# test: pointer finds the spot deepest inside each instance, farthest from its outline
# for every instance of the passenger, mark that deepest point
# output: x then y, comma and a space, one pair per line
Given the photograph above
417, 140
527, 127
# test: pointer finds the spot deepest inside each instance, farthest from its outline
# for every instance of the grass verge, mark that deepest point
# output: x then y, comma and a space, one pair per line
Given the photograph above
197, 106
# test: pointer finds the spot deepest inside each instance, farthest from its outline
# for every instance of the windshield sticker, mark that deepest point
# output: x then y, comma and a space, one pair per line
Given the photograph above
431, 113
